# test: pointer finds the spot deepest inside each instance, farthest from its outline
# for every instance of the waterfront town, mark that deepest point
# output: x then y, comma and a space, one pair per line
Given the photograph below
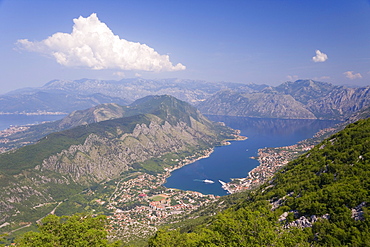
10, 131
270, 160
142, 203
139, 203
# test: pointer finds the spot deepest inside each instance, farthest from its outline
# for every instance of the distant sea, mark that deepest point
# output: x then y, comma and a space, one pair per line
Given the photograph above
234, 161
19, 119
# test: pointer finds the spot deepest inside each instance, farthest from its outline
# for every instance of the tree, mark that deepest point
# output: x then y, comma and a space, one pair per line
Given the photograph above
77, 230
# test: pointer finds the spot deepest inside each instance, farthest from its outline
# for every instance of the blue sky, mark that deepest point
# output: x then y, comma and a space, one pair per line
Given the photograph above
235, 41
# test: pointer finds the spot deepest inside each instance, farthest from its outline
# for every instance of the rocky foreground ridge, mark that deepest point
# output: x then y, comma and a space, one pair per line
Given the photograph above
34, 178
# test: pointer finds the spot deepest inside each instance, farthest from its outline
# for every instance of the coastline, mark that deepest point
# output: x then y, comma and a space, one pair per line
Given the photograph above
273, 159
189, 160
270, 161
206, 153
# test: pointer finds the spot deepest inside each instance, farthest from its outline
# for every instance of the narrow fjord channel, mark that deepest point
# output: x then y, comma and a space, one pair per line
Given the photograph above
234, 161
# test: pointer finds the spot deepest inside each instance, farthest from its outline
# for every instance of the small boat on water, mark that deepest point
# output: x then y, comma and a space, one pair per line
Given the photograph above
207, 181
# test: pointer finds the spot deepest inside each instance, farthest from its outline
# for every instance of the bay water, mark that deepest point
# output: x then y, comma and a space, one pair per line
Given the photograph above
8, 120
226, 162
234, 161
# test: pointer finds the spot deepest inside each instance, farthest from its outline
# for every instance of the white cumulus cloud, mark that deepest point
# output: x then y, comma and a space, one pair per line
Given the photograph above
351, 75
92, 44
320, 57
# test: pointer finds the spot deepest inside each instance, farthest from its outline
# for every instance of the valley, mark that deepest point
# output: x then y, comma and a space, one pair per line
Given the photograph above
117, 160
156, 134
185, 123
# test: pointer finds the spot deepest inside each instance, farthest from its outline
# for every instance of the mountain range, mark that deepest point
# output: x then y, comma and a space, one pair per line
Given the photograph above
302, 99
319, 199
67, 96
306, 99
97, 145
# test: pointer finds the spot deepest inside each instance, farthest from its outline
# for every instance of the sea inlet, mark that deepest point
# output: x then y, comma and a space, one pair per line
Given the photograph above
234, 161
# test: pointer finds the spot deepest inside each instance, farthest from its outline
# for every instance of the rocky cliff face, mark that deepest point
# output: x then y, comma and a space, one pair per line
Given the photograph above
340, 103
305, 90
301, 99
101, 158
261, 105
92, 115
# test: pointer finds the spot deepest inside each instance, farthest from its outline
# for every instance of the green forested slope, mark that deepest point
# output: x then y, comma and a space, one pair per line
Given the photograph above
77, 230
319, 199
151, 137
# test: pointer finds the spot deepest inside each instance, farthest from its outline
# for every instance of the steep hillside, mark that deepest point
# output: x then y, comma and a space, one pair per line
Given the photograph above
305, 90
151, 104
319, 199
35, 178
340, 103
261, 105
299, 99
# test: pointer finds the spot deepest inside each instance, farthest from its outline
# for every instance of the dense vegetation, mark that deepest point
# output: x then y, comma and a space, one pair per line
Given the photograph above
77, 230
323, 196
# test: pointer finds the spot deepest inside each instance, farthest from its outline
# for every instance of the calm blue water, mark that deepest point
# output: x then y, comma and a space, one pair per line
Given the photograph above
17, 120
225, 162
233, 161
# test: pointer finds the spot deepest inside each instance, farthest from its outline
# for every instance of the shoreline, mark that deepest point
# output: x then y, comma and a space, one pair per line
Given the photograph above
206, 154
189, 160
270, 161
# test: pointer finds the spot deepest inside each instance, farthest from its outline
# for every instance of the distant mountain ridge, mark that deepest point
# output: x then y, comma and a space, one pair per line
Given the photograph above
299, 99
54, 101
31, 134
291, 100
305, 90
260, 105
67, 95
